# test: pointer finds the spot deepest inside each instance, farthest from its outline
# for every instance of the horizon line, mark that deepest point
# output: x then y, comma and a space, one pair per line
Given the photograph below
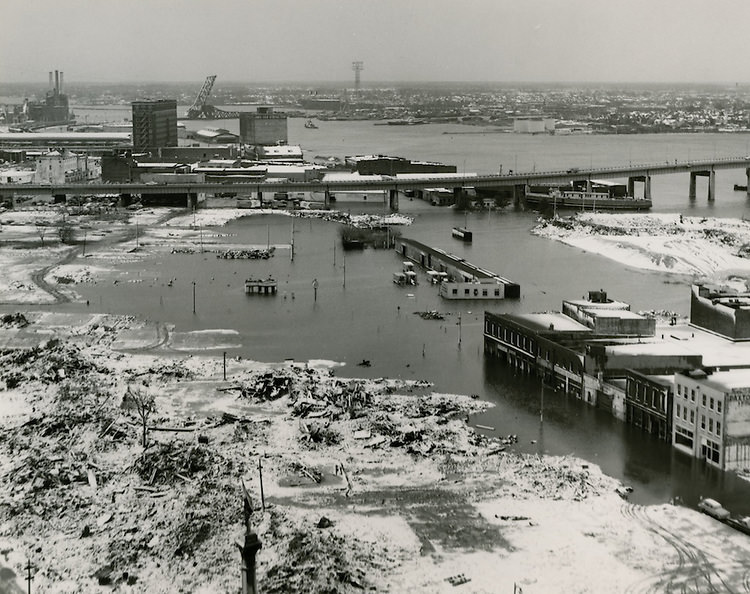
366, 84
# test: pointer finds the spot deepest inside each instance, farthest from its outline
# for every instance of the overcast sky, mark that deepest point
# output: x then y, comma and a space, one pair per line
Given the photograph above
398, 40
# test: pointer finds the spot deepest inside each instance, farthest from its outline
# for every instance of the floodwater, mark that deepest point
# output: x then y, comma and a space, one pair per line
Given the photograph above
360, 314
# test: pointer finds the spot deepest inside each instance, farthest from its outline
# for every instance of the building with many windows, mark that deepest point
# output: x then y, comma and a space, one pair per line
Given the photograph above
263, 127
711, 416
648, 403
154, 124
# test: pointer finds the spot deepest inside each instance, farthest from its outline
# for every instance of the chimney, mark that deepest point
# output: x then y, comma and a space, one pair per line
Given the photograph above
50, 80
57, 82
61, 81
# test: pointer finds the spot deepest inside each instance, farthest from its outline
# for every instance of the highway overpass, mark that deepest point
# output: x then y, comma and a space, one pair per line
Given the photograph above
517, 181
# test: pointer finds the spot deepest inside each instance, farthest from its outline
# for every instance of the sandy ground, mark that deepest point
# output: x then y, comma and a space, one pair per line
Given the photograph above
368, 485
707, 247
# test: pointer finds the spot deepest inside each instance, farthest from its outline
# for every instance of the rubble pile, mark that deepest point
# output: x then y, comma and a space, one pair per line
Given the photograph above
313, 557
49, 362
166, 463
430, 315
99, 509
246, 254
14, 320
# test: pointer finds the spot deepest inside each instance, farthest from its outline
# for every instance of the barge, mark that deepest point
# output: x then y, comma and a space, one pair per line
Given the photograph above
589, 195
463, 234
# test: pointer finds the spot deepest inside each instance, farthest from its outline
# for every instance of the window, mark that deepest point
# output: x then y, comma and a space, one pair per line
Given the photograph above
679, 389
466, 291
692, 395
455, 291
710, 425
692, 416
677, 409
497, 292
704, 400
718, 428
703, 421
718, 405
684, 413
711, 404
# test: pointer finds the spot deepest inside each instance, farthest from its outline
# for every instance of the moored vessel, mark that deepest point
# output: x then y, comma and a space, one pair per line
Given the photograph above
463, 234
596, 195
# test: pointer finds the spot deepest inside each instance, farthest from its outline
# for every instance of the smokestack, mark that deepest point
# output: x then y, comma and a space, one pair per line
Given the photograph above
57, 82
50, 80
61, 81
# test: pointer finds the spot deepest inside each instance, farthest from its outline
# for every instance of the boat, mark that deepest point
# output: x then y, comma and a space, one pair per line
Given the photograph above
603, 199
406, 122
463, 234
309, 124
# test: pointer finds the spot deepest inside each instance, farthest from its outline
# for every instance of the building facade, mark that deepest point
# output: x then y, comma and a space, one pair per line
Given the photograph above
154, 124
263, 127
721, 311
711, 419
55, 167
648, 403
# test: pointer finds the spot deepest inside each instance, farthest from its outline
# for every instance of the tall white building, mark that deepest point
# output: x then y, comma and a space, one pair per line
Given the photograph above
712, 417
55, 167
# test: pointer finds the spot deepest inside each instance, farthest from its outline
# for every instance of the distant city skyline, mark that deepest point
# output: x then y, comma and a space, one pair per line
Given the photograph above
681, 41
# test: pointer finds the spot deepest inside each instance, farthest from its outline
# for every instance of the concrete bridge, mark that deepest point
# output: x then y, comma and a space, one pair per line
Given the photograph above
636, 173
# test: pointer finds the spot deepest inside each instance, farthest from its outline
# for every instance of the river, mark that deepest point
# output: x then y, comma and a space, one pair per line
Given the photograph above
360, 314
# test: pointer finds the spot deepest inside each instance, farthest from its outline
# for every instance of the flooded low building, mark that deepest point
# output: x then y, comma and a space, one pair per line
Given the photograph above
465, 280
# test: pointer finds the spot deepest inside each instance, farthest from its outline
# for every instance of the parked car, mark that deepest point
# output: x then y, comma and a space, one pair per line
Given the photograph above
713, 508
742, 524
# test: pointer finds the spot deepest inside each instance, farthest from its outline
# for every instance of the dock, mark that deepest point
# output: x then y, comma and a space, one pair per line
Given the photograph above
257, 286
458, 279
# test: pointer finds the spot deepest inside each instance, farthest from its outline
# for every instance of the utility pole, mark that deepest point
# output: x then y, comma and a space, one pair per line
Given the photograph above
193, 296
459, 329
315, 289
28, 575
250, 548
260, 476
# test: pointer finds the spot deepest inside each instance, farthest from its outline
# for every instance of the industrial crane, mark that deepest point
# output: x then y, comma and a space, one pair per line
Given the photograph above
200, 110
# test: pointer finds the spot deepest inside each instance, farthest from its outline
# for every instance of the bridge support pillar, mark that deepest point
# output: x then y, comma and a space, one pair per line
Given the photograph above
519, 192
192, 201
747, 180
393, 200
588, 186
326, 199
647, 187
711, 186
691, 193
631, 186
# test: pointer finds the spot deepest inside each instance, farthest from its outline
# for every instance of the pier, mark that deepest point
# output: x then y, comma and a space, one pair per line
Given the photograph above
257, 286
458, 279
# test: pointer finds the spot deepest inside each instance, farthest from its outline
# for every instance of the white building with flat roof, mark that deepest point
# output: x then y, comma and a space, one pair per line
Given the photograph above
712, 417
